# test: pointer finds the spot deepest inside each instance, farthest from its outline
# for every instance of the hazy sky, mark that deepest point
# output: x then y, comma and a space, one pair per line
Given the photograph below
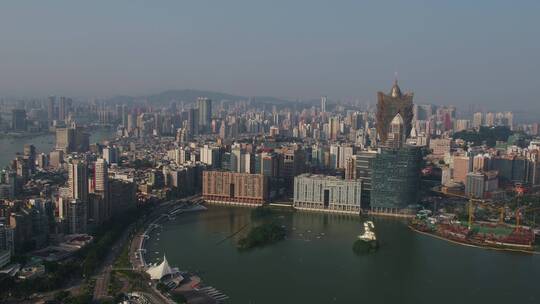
459, 51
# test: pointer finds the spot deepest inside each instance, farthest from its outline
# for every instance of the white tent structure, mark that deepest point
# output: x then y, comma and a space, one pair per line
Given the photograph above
161, 270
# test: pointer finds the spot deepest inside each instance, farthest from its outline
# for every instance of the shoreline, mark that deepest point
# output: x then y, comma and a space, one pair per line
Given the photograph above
194, 287
312, 210
472, 245
172, 211
24, 136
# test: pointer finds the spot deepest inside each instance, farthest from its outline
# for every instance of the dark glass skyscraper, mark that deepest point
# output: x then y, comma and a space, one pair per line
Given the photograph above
50, 108
396, 179
18, 120
205, 113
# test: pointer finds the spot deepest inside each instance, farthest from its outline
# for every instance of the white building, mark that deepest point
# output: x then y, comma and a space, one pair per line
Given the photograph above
330, 193
163, 270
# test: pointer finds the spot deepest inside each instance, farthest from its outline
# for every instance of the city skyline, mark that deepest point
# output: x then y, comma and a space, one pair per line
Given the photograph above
200, 152
343, 51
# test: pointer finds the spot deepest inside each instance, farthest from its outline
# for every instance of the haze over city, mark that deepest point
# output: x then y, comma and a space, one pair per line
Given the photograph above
215, 152
458, 52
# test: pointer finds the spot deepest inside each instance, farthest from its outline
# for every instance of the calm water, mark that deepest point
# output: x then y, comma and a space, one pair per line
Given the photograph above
408, 268
45, 143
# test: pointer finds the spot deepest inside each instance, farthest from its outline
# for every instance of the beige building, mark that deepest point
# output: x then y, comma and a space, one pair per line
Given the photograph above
233, 187
440, 146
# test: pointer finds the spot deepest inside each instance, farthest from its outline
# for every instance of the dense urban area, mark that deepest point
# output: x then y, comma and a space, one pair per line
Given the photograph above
74, 219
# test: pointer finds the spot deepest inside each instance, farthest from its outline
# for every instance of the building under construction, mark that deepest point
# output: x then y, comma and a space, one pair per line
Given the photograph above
483, 234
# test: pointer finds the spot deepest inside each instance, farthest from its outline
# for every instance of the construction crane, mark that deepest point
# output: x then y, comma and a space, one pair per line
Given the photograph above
471, 213
471, 209
519, 216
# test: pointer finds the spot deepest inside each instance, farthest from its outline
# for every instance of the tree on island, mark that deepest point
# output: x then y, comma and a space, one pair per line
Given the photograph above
262, 235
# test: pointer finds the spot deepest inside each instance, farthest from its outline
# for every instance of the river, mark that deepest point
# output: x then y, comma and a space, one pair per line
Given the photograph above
43, 143
315, 264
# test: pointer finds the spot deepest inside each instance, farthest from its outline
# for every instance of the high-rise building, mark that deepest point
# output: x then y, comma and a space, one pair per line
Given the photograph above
101, 175
65, 139
461, 125
334, 156
72, 139
50, 109
6, 239
509, 119
125, 116
23, 169
345, 152
440, 146
363, 160
56, 158
62, 109
18, 120
193, 121
268, 164
42, 161
480, 184
350, 168
323, 104
490, 119
179, 155
78, 180
334, 127
477, 120
205, 113
462, 164
396, 179
30, 151
82, 140
210, 156
110, 154
122, 195
396, 135
294, 161
76, 216
388, 106
131, 121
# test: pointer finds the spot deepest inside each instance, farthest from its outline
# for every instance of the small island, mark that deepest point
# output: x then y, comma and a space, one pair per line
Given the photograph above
366, 242
262, 235
361, 247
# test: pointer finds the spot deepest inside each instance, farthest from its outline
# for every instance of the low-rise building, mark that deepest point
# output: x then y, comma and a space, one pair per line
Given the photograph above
329, 193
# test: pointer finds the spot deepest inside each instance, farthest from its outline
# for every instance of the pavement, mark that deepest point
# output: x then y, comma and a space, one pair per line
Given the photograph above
101, 289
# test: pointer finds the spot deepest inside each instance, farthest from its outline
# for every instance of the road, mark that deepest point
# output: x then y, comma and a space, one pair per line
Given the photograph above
101, 290
103, 278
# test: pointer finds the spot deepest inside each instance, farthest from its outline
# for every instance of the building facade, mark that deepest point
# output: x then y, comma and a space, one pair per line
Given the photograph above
388, 106
78, 180
331, 193
481, 184
233, 187
205, 113
396, 179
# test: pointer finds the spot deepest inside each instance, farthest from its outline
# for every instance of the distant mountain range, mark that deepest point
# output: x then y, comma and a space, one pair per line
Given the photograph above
189, 95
